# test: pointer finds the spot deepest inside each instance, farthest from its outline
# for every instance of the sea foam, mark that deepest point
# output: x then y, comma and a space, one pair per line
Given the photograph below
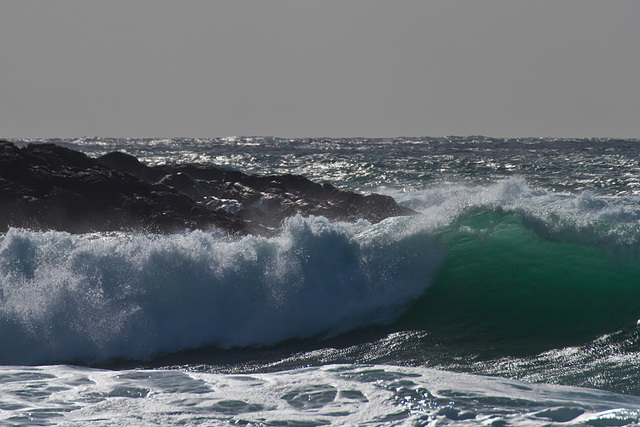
327, 395
91, 298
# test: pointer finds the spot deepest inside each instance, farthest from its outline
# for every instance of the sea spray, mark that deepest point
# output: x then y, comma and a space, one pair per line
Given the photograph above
97, 297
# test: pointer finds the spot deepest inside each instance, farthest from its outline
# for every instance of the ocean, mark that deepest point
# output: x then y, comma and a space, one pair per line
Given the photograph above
512, 298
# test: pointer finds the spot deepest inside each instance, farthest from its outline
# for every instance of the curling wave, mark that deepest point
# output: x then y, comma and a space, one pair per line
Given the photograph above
515, 278
499, 266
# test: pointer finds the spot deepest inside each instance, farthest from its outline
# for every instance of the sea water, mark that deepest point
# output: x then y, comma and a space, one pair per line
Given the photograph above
512, 298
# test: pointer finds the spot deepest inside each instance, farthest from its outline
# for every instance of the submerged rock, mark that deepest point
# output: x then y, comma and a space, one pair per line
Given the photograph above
45, 186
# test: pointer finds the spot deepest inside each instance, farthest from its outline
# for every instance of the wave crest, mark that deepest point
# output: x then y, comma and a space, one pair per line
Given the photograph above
103, 296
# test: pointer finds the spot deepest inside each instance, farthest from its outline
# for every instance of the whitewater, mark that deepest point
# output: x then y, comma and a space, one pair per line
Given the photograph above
511, 298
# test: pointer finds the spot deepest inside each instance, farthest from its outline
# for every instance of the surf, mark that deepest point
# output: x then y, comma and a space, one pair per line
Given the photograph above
345, 394
91, 298
492, 270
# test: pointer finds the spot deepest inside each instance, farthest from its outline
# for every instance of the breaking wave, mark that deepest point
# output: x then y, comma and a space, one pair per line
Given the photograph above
503, 263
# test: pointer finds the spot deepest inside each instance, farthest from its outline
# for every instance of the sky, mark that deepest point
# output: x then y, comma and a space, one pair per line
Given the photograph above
323, 68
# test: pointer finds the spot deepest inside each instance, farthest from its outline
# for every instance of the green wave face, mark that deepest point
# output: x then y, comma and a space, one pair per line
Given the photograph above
506, 283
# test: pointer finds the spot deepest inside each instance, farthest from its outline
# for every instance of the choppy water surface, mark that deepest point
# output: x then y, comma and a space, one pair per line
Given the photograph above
610, 166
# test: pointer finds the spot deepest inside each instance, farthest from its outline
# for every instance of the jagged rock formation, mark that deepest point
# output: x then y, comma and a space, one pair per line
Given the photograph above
45, 186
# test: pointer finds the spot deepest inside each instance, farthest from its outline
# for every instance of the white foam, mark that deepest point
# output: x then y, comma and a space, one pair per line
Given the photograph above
442, 203
97, 297
332, 394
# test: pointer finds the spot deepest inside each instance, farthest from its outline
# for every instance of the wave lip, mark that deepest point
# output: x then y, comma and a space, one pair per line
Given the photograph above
92, 298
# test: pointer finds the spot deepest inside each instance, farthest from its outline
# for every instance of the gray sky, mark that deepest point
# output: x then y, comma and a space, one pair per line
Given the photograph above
156, 68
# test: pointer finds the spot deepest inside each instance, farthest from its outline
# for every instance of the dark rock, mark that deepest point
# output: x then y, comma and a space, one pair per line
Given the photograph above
50, 187
187, 185
123, 162
45, 186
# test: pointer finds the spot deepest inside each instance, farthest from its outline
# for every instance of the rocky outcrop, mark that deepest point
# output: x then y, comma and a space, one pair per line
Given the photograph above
45, 186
